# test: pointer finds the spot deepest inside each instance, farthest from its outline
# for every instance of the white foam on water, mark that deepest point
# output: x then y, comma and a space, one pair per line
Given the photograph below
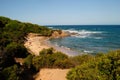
86, 51
84, 33
50, 27
63, 49
98, 38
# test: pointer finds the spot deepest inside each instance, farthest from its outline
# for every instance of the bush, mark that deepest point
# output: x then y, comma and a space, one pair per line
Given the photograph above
28, 61
11, 51
61, 60
80, 59
11, 73
16, 50
50, 59
105, 67
38, 62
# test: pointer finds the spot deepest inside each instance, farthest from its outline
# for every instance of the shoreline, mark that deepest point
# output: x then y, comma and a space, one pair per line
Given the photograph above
36, 43
63, 49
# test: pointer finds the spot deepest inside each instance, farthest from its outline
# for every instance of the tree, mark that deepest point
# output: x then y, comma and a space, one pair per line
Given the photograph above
3, 21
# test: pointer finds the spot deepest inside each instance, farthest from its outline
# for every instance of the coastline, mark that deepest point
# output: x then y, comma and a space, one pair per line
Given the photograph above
63, 49
36, 43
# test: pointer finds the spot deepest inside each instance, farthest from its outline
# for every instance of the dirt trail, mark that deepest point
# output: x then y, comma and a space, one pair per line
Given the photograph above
52, 74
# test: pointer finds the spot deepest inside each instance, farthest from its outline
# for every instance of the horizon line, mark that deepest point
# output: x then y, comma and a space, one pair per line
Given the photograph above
83, 25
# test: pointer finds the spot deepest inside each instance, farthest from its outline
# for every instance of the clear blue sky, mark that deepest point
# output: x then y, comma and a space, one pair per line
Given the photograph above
63, 12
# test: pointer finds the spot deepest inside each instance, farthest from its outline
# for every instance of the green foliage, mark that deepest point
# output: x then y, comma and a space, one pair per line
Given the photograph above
3, 21
50, 59
45, 52
61, 60
104, 67
110, 65
38, 62
10, 73
15, 31
16, 72
28, 61
12, 37
11, 51
80, 59
16, 50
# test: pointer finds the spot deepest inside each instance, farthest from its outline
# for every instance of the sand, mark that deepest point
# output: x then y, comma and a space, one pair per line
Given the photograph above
36, 43
52, 74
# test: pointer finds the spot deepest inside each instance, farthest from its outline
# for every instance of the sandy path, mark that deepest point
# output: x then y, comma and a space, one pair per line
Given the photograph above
52, 74
36, 43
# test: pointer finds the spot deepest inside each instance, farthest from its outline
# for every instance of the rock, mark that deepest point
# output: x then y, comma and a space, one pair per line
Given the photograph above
65, 34
59, 34
73, 33
55, 34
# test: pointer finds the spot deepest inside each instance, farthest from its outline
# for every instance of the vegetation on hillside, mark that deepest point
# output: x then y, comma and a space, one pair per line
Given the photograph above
12, 37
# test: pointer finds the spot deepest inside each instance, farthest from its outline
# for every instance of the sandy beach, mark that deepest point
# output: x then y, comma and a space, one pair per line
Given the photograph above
36, 43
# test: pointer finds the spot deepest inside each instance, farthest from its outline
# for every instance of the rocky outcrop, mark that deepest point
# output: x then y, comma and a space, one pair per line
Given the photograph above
59, 34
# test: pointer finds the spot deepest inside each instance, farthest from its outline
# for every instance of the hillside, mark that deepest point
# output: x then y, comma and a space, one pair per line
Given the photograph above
12, 37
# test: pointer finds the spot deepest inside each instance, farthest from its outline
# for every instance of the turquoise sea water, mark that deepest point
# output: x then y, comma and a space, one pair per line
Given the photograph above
89, 38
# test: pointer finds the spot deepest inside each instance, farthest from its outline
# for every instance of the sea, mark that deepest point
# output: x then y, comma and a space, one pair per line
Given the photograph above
90, 39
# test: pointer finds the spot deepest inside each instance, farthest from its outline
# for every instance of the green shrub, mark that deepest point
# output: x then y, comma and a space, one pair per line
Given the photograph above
105, 67
28, 61
50, 59
3, 21
11, 73
80, 59
16, 50
38, 62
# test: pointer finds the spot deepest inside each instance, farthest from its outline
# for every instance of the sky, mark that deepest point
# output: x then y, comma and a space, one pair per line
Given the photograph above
63, 12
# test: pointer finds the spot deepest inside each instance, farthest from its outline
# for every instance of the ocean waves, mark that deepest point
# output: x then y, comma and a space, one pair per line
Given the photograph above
85, 33
89, 38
